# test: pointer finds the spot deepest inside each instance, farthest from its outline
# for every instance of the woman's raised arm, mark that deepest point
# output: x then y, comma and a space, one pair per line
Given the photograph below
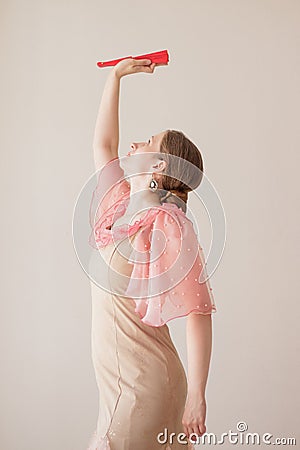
106, 136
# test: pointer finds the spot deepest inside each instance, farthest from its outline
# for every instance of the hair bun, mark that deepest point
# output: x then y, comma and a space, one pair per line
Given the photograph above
181, 194
174, 196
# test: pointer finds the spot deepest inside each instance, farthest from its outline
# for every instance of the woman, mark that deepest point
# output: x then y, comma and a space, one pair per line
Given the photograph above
144, 395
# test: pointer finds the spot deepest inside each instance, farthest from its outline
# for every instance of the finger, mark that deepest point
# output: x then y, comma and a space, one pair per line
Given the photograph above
143, 62
143, 69
197, 431
148, 69
185, 430
190, 431
202, 428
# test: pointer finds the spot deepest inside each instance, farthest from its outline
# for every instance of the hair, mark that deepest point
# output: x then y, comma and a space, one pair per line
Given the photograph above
175, 143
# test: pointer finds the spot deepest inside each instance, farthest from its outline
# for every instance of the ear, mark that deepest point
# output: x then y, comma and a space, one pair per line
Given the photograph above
159, 166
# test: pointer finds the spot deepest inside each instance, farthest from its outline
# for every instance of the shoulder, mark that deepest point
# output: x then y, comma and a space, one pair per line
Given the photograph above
170, 215
167, 229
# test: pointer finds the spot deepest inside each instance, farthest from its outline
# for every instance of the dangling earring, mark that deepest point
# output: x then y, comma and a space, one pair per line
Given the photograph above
153, 184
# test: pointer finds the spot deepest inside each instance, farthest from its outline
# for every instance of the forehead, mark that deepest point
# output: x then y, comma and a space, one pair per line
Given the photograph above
158, 137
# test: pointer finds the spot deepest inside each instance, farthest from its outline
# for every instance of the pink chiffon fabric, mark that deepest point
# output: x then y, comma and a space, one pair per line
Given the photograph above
169, 277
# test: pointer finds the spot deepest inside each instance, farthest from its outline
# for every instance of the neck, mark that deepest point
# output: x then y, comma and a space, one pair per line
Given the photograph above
141, 197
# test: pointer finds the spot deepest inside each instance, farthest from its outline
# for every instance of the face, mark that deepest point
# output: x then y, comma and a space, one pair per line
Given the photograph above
152, 145
135, 164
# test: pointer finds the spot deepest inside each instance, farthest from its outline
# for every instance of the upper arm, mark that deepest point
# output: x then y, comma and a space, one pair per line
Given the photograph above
102, 155
196, 317
111, 186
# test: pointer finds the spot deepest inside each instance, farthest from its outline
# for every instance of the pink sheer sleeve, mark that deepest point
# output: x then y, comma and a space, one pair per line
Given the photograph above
168, 278
110, 189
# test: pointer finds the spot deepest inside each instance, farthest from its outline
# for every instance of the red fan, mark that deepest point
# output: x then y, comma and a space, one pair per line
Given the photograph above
159, 58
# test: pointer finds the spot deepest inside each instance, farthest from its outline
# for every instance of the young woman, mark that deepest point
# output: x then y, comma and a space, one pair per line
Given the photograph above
145, 399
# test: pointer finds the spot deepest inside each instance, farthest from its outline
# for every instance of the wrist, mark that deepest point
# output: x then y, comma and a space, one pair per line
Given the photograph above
196, 392
115, 73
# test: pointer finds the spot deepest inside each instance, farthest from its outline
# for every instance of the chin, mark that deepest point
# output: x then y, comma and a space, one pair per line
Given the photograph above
127, 165
124, 164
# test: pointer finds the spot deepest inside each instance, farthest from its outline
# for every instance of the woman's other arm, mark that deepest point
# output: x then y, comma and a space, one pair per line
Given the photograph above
199, 345
106, 136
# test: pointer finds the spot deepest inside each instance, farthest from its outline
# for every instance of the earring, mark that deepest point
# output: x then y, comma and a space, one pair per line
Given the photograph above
153, 184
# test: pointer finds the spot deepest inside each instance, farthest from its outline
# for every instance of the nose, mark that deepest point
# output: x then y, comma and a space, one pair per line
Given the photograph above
134, 146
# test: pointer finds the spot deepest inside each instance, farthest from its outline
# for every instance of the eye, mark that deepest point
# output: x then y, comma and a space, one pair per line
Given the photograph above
149, 141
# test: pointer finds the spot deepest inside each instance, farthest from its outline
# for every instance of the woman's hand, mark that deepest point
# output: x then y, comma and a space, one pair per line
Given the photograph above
130, 65
193, 419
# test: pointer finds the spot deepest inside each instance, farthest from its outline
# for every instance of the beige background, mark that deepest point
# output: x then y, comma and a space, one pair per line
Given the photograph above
232, 86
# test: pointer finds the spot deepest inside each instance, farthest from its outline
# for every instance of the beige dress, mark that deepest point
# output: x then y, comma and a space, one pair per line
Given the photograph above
141, 380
